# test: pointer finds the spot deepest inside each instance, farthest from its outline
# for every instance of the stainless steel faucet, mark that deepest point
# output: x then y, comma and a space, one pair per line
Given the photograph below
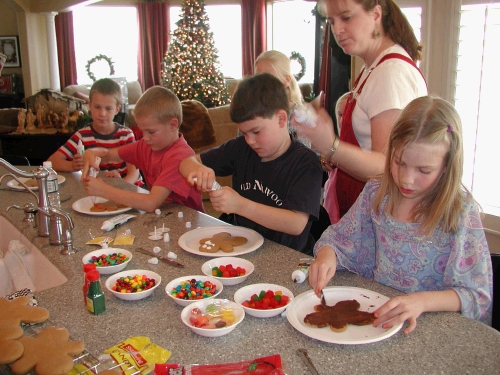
51, 222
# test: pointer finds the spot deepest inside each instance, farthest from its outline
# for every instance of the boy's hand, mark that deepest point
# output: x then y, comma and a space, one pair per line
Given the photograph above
89, 160
203, 178
95, 186
77, 162
322, 269
114, 173
407, 307
226, 200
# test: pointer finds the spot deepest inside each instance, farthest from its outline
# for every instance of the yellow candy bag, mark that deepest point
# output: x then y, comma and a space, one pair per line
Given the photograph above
140, 352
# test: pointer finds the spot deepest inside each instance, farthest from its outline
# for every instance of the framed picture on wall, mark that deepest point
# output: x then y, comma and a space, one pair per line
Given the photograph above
9, 46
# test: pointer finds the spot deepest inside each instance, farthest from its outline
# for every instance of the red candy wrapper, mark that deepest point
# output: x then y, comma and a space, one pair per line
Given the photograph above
270, 365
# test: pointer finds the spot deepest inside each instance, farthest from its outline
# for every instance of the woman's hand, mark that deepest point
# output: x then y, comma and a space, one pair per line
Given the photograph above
322, 269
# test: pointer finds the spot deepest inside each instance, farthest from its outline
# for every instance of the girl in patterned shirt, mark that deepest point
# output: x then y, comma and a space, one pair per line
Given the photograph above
416, 228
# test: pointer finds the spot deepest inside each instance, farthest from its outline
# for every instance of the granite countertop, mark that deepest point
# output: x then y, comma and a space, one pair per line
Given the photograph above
444, 343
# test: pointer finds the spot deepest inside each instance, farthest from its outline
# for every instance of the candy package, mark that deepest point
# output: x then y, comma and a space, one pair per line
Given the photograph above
270, 365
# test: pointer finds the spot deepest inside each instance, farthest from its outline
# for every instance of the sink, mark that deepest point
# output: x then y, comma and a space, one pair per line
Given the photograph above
41, 271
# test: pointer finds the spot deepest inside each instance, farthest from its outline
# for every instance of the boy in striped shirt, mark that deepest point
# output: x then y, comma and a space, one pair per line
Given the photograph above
105, 102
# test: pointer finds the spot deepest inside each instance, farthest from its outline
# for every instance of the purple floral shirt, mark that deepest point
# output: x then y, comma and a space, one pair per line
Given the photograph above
395, 254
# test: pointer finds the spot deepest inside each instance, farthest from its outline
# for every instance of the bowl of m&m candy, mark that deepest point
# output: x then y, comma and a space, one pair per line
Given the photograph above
263, 300
213, 317
133, 285
188, 289
228, 270
108, 261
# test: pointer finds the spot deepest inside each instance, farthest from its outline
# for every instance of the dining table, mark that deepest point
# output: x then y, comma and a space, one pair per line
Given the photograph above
442, 342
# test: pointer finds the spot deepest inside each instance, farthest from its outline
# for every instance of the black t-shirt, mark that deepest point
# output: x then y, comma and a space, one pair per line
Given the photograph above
291, 181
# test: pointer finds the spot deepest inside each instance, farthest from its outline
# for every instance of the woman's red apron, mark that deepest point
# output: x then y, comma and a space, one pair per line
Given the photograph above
348, 188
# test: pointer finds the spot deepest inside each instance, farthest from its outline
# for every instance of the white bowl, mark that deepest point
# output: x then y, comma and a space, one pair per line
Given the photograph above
133, 296
238, 312
106, 270
206, 268
245, 293
184, 302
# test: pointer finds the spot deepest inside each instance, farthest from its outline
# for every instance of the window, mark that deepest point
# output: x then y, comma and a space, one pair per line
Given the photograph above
225, 24
291, 27
117, 40
476, 87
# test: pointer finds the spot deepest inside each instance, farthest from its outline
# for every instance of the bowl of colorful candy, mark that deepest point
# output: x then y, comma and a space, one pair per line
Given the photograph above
188, 289
229, 270
263, 300
212, 317
133, 285
108, 261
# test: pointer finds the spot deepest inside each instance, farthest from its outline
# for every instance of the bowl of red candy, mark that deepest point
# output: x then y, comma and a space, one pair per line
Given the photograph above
133, 285
263, 300
188, 289
108, 261
228, 270
213, 317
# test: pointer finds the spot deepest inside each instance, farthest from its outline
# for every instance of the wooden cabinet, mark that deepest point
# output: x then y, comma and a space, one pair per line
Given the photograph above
37, 147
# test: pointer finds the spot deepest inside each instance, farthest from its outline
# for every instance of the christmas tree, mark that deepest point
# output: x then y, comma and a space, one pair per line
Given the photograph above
190, 66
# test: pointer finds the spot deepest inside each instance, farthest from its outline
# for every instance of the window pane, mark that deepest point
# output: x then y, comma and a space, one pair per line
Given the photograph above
475, 99
118, 41
414, 16
293, 29
225, 24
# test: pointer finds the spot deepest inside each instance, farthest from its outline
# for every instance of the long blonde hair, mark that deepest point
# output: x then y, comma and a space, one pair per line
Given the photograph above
281, 65
428, 120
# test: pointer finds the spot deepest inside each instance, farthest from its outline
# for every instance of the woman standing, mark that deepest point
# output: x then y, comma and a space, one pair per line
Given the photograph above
378, 33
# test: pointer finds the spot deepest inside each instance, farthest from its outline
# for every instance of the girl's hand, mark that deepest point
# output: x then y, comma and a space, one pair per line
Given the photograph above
226, 200
397, 310
77, 162
322, 269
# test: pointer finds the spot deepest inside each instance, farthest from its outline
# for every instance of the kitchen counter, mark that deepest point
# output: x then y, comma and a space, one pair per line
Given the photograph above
444, 343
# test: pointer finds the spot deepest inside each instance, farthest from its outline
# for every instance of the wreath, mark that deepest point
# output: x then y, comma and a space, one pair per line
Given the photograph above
302, 62
99, 58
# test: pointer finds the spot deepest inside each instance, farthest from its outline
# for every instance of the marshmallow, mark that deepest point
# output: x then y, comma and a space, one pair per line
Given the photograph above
188, 224
156, 249
153, 261
166, 237
158, 211
171, 255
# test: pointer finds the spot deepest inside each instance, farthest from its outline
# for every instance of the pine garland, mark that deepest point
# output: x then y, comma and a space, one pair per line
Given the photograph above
98, 58
302, 61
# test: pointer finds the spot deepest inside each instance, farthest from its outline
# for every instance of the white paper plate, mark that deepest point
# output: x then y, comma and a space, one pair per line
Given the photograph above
13, 184
85, 204
190, 241
304, 303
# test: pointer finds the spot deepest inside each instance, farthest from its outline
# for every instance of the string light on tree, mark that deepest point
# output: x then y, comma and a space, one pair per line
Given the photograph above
190, 66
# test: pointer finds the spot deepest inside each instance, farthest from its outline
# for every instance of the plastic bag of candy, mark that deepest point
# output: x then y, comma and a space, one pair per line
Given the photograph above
270, 365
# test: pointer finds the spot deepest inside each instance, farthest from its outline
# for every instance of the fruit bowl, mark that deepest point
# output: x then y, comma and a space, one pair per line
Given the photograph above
175, 284
245, 293
111, 281
248, 266
215, 313
111, 268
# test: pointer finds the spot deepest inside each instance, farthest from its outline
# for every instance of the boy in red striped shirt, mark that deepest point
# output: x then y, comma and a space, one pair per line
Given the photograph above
105, 102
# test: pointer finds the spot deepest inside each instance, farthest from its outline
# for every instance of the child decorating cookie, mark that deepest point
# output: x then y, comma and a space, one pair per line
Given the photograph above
276, 181
158, 114
105, 102
416, 228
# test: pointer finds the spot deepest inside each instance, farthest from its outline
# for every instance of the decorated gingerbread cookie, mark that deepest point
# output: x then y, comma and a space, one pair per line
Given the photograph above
221, 241
49, 353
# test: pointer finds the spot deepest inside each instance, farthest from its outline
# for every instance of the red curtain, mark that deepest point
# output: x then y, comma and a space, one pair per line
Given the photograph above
66, 49
253, 27
153, 21
325, 69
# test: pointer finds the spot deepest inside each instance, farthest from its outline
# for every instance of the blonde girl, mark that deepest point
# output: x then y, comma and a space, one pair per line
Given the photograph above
416, 228
278, 65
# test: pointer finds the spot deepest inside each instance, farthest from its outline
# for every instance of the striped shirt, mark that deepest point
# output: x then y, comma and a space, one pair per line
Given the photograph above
92, 139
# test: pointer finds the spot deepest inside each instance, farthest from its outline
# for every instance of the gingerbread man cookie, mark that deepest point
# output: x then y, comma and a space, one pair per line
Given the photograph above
12, 314
221, 241
49, 353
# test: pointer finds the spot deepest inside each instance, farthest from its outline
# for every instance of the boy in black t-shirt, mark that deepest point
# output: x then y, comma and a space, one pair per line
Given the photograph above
276, 182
